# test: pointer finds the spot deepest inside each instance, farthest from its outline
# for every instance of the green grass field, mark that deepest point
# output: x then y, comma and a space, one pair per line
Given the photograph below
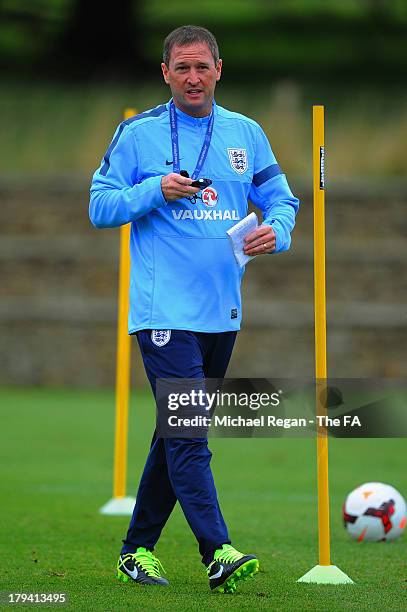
56, 458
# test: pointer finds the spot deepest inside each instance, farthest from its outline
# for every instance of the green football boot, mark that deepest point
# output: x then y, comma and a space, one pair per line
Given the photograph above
229, 567
141, 567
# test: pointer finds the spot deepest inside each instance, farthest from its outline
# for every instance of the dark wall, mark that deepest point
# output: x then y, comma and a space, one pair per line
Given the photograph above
59, 290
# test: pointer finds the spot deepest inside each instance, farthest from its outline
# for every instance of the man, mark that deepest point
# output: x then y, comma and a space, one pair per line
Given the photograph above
185, 304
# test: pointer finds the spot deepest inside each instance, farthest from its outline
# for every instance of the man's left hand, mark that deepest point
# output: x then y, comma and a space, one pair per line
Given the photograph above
261, 241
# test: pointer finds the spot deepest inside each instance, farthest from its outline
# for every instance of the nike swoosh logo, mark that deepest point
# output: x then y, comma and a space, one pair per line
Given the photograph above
169, 163
218, 574
132, 573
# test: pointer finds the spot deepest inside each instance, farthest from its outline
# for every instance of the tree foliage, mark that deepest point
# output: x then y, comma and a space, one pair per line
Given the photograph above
285, 38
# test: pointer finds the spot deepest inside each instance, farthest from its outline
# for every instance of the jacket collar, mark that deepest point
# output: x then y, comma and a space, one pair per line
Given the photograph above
185, 118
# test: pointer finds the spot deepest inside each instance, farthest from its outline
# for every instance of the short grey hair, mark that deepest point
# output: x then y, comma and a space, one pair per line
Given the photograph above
188, 35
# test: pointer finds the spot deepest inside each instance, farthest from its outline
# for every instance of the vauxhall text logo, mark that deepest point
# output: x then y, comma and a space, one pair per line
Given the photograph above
209, 198
200, 214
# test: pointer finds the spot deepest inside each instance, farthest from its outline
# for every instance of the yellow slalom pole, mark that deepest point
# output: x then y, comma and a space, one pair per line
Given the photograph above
121, 504
324, 572
122, 369
122, 361
320, 332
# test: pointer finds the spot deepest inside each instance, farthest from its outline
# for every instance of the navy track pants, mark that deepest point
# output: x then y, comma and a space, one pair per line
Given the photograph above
179, 468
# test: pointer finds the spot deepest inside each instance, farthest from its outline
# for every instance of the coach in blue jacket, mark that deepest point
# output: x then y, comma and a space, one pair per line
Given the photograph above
185, 303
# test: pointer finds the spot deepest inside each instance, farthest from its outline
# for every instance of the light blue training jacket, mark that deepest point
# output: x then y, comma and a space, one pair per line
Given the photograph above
183, 271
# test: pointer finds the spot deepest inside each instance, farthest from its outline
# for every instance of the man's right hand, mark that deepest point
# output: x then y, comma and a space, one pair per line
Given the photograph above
174, 187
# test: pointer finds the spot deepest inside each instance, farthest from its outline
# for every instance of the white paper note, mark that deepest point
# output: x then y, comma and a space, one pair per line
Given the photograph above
238, 233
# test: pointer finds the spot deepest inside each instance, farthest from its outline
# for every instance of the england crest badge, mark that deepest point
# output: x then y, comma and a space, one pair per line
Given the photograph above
238, 160
160, 337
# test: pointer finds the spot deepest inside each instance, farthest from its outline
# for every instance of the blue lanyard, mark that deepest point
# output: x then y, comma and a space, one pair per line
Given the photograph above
175, 148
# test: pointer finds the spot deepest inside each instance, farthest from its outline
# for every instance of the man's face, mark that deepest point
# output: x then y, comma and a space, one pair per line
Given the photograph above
192, 77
